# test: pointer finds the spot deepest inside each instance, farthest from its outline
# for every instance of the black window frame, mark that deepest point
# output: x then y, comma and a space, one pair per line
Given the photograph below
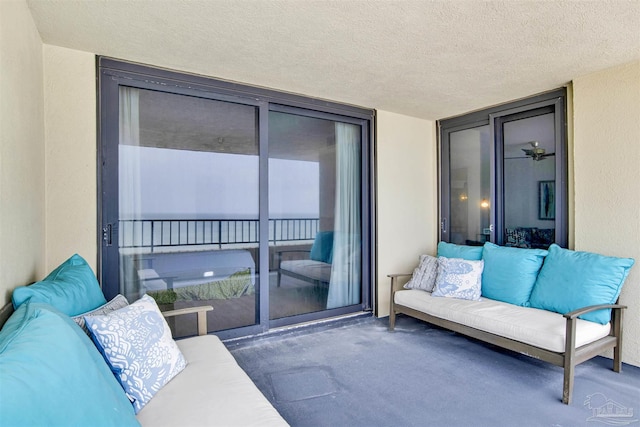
492, 116
112, 73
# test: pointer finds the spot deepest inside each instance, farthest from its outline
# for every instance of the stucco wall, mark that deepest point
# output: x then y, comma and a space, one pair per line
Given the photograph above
407, 196
607, 178
22, 166
70, 130
61, 111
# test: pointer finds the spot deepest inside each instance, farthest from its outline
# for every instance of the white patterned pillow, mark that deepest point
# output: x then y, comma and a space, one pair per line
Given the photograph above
424, 276
136, 342
459, 278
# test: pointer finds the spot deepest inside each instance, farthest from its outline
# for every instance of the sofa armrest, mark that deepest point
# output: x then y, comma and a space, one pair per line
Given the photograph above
575, 313
200, 310
395, 282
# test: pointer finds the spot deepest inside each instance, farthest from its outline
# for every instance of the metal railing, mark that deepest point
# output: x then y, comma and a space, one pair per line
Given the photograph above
158, 233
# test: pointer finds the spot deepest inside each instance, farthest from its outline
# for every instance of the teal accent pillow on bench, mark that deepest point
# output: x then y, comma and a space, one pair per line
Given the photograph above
570, 280
52, 375
451, 250
71, 288
510, 273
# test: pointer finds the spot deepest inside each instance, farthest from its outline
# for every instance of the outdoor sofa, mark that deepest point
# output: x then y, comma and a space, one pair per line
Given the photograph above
53, 374
559, 306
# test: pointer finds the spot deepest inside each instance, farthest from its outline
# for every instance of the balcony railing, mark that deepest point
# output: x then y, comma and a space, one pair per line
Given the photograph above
159, 233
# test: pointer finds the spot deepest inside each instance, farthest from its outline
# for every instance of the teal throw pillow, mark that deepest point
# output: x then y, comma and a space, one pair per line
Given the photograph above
52, 375
450, 250
510, 273
570, 280
71, 288
322, 247
136, 342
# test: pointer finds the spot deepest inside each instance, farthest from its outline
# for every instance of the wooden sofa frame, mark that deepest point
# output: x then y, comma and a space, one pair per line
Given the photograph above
571, 357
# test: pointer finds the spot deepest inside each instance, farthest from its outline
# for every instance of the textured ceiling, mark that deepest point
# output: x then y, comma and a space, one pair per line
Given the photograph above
429, 59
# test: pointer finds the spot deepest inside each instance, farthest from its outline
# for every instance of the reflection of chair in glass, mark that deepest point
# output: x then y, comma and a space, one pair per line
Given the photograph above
315, 267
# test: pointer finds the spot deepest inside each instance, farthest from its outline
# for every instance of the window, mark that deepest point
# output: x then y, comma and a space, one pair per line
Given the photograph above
504, 174
219, 194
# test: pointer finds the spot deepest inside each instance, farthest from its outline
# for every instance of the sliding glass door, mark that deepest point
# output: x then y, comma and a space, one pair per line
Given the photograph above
315, 212
529, 177
183, 238
468, 169
212, 197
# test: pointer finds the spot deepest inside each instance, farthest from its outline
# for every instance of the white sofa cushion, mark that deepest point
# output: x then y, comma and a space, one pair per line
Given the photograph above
211, 391
539, 328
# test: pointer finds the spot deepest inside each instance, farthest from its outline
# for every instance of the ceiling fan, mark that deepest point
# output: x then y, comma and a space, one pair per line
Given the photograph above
536, 152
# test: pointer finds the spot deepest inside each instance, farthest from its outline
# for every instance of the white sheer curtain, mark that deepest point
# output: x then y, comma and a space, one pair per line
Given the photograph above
344, 286
129, 179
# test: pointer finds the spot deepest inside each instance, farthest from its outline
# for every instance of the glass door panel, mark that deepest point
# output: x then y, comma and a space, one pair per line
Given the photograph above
470, 186
529, 179
188, 230
314, 214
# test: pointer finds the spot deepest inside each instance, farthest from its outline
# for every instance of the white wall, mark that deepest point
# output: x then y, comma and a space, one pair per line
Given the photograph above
607, 178
407, 197
70, 130
22, 165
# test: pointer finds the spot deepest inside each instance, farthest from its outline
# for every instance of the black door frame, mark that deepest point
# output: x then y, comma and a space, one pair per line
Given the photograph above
493, 116
114, 73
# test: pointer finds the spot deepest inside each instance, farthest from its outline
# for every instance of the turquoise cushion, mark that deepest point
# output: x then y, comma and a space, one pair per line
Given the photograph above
71, 288
322, 247
450, 250
570, 280
510, 273
51, 374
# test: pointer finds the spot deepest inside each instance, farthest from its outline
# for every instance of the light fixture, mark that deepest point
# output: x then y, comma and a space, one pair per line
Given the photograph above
484, 203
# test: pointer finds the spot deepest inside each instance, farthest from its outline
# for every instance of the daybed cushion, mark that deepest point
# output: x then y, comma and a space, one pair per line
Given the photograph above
570, 280
71, 288
219, 392
458, 278
510, 273
51, 374
450, 250
316, 270
424, 275
136, 342
539, 328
